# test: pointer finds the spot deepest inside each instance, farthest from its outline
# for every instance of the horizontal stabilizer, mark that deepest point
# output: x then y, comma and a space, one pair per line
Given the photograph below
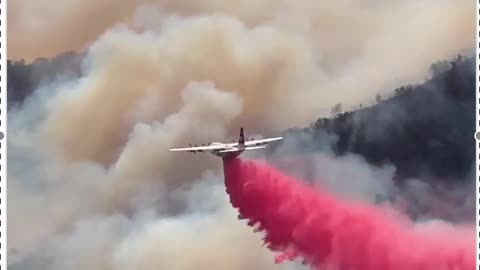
229, 150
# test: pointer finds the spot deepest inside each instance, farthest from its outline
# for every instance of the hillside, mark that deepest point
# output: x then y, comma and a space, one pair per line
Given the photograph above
24, 78
426, 131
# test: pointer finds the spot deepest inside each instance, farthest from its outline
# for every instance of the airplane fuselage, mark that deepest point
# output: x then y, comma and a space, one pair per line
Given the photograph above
234, 151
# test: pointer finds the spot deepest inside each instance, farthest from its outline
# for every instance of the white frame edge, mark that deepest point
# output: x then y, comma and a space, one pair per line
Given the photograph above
477, 135
3, 134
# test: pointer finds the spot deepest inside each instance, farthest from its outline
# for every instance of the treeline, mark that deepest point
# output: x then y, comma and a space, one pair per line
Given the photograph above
426, 131
23, 78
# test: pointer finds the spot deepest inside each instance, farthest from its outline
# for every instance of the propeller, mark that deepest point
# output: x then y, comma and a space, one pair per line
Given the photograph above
195, 151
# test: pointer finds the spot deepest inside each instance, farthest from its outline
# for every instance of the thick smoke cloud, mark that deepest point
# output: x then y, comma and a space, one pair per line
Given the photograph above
356, 46
151, 241
96, 150
91, 181
359, 182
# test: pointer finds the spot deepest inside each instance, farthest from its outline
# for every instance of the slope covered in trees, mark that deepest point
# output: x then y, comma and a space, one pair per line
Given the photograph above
23, 78
426, 131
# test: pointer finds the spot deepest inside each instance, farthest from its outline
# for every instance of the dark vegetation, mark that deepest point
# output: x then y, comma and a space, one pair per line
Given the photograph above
426, 131
23, 78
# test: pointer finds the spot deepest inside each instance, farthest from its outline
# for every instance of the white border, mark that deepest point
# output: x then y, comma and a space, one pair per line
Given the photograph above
3, 129
477, 134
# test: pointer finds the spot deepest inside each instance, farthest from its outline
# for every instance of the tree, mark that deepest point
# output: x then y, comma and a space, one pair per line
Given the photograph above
400, 91
336, 109
440, 67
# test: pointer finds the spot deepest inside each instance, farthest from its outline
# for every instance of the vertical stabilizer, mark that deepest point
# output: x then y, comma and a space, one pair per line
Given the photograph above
241, 139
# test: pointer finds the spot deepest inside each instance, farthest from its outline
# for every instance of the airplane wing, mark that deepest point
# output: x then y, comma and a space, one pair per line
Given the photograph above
262, 141
255, 147
199, 148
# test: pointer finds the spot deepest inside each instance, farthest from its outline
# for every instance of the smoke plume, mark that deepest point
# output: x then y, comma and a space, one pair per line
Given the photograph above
352, 46
91, 183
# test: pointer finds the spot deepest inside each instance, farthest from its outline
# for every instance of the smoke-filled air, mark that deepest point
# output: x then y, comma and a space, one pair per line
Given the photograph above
92, 185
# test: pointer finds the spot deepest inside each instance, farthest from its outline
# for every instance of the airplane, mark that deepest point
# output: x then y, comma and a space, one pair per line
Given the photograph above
229, 150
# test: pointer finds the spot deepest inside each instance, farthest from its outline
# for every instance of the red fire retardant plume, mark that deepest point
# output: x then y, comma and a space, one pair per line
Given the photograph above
299, 221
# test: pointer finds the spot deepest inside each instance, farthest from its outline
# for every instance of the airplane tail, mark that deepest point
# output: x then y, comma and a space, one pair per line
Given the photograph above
241, 139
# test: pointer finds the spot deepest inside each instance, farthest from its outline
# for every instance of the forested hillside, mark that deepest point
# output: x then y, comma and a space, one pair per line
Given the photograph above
426, 131
23, 78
